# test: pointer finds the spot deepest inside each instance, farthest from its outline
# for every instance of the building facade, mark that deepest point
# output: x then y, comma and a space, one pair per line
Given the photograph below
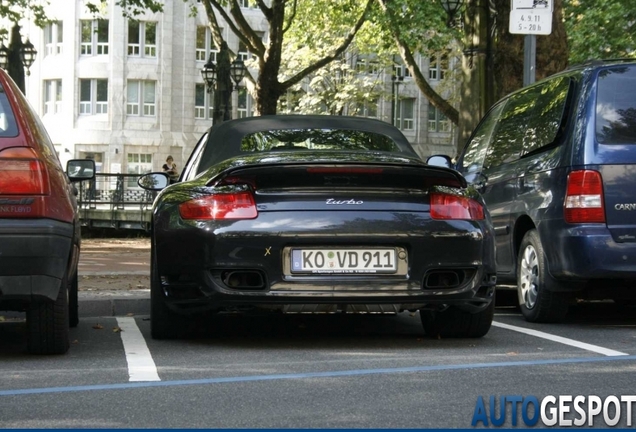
128, 93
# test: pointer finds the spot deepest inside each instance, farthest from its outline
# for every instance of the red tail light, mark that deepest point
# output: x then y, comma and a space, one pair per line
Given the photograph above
22, 173
584, 198
238, 205
445, 206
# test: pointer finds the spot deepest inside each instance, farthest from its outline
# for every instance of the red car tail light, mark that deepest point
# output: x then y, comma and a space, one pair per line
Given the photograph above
22, 173
584, 197
239, 205
445, 206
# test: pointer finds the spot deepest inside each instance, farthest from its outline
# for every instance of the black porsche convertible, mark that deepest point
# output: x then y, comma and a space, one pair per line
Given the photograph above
319, 214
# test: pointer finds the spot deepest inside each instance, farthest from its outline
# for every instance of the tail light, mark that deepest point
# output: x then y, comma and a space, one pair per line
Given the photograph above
22, 173
584, 198
446, 206
238, 205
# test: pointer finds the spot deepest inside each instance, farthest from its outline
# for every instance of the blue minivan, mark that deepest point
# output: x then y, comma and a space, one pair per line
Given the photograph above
556, 165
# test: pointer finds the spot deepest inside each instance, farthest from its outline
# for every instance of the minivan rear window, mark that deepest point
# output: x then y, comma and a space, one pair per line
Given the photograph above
8, 126
616, 105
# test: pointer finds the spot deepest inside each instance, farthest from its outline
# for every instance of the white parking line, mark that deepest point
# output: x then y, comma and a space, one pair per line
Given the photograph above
141, 366
559, 339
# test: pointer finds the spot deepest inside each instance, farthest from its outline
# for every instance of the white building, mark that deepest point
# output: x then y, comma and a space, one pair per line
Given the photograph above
129, 93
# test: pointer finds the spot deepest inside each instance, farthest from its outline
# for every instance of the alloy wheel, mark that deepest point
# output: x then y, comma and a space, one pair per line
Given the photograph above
529, 277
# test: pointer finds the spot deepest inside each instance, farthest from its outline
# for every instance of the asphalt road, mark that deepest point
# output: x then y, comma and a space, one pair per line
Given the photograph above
311, 371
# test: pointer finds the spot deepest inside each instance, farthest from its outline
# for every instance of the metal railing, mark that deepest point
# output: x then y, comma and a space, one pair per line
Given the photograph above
114, 201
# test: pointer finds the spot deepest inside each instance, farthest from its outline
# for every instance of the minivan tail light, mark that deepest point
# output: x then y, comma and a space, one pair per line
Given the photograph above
446, 206
584, 197
238, 205
22, 172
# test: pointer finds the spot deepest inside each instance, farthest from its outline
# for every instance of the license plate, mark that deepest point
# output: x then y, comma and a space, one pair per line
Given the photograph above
373, 260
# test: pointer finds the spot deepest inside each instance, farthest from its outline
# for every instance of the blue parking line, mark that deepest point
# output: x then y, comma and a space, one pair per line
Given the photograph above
329, 374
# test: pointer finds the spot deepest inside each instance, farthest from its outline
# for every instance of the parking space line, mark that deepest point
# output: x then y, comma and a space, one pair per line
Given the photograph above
141, 366
310, 375
560, 339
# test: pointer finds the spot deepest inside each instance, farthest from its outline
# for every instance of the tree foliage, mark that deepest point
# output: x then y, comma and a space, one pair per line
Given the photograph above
345, 17
599, 29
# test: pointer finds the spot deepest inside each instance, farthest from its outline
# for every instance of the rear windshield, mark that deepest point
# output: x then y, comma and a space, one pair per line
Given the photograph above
317, 139
8, 126
616, 106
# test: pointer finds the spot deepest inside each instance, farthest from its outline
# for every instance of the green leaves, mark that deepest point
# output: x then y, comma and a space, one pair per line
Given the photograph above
600, 29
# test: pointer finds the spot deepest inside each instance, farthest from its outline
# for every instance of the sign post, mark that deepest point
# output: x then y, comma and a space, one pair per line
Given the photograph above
530, 17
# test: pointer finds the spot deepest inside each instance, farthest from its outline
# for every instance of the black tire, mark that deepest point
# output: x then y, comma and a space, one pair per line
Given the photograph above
457, 323
537, 302
164, 324
48, 324
73, 302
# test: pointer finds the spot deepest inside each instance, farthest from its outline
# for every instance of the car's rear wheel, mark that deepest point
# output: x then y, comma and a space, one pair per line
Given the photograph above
48, 323
456, 323
164, 324
538, 304
73, 302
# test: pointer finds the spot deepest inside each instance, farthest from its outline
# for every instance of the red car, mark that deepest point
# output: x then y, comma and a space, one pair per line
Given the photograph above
39, 225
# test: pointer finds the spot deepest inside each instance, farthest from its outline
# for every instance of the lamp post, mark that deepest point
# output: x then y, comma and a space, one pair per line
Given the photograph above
218, 77
478, 87
396, 81
17, 57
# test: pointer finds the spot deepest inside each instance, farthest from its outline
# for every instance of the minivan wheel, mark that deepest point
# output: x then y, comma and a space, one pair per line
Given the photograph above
73, 302
538, 304
456, 323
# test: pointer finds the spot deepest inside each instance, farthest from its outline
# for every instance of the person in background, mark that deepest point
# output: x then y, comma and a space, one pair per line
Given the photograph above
170, 168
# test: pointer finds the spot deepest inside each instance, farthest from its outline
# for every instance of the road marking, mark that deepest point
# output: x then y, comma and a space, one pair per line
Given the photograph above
559, 339
141, 366
310, 375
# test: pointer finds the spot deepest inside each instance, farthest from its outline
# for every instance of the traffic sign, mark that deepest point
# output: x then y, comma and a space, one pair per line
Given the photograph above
533, 5
530, 21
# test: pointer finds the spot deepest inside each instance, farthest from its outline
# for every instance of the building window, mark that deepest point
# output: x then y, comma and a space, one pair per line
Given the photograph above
243, 53
367, 66
245, 103
370, 109
205, 44
93, 96
141, 98
437, 121
52, 97
203, 102
405, 117
53, 38
400, 70
94, 38
142, 39
437, 67
138, 163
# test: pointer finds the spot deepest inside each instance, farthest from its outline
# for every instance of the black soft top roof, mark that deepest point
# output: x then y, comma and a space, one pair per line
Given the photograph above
224, 140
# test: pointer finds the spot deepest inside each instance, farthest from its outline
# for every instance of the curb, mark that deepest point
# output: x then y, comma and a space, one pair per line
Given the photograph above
114, 303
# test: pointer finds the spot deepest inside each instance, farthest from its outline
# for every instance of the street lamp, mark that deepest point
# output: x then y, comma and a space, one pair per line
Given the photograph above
4, 56
17, 57
237, 71
218, 77
451, 7
27, 55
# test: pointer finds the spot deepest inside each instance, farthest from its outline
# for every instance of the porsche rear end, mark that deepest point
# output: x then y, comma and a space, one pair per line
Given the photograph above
316, 237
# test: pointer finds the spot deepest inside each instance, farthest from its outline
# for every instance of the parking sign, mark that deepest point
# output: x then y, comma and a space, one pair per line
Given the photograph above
532, 17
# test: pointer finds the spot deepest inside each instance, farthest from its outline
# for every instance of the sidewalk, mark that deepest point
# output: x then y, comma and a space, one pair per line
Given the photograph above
114, 277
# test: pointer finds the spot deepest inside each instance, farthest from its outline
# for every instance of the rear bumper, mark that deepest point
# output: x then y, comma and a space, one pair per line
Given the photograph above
587, 252
207, 291
34, 257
